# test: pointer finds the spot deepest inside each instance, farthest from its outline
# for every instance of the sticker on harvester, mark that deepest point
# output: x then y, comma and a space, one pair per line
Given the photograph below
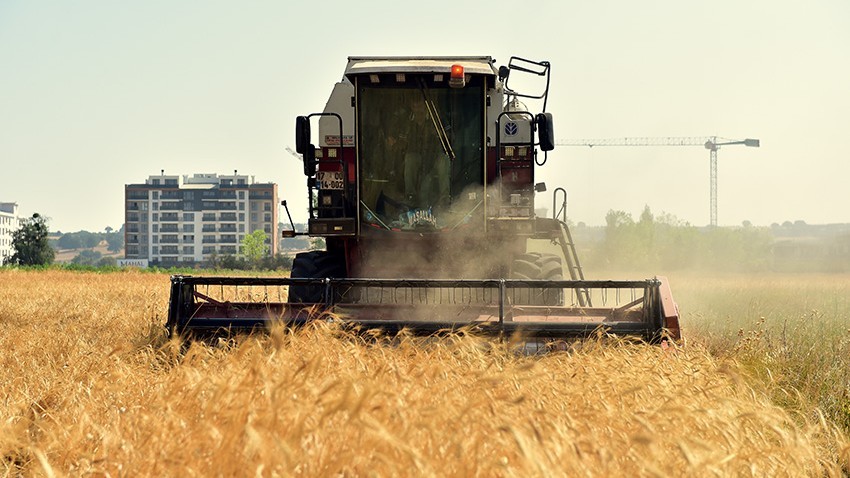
330, 179
333, 140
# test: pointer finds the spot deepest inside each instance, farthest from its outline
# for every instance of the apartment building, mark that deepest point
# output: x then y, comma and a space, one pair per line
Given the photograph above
182, 220
9, 223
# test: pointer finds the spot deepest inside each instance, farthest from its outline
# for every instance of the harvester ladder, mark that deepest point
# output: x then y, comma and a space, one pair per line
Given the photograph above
568, 247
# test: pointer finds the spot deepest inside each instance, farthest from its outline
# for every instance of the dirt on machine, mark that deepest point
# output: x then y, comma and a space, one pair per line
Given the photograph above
420, 175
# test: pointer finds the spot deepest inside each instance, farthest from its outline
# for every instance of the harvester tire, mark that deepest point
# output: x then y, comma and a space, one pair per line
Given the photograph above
314, 264
538, 266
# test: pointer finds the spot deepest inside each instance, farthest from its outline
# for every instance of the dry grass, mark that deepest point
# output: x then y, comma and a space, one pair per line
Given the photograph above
88, 385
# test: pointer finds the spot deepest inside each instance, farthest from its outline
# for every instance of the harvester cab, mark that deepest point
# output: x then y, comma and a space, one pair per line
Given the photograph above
421, 180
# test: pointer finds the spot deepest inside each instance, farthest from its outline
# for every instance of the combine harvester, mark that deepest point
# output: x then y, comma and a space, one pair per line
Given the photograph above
422, 186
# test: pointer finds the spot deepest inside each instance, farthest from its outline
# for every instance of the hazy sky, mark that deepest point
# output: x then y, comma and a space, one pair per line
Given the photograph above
98, 94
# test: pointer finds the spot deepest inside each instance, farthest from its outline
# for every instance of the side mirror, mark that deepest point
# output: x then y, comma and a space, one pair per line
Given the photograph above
302, 134
310, 161
545, 132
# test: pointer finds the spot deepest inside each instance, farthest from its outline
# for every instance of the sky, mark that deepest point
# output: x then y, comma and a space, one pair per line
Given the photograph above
98, 94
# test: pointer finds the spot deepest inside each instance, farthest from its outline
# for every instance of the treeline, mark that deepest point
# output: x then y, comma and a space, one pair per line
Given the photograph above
89, 240
278, 261
665, 243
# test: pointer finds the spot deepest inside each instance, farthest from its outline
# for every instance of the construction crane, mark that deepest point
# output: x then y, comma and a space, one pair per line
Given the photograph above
711, 143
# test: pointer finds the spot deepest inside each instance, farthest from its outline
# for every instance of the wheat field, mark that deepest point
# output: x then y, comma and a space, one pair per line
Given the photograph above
89, 385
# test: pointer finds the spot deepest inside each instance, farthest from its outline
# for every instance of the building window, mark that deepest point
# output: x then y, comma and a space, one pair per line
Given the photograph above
189, 250
253, 217
253, 206
188, 216
241, 206
267, 217
156, 182
241, 194
267, 206
155, 194
188, 228
241, 227
188, 238
155, 228
155, 250
171, 182
242, 216
188, 195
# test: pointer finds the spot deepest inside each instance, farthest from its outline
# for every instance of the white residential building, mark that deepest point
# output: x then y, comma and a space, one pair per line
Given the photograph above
172, 219
9, 223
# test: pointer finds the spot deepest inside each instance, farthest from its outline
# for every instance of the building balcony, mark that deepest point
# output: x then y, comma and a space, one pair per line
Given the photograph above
171, 206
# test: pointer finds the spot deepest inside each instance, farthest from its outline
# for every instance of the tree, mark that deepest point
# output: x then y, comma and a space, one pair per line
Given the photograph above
79, 240
70, 241
254, 246
30, 243
87, 257
114, 241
